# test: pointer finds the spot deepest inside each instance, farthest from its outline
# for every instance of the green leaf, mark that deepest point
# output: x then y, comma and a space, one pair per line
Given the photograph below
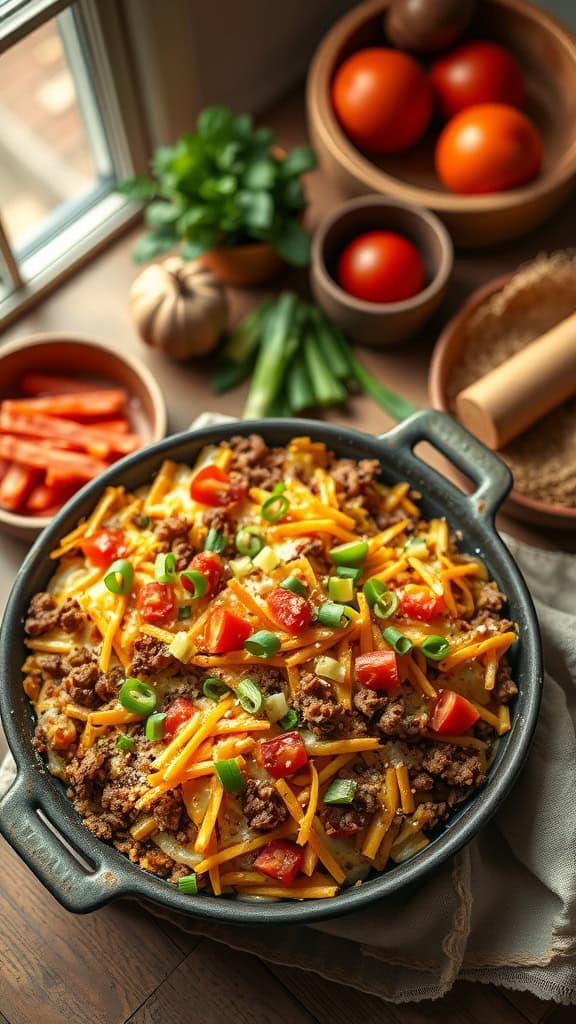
203, 241
214, 188
291, 194
299, 160
215, 125
293, 244
162, 159
194, 217
263, 137
260, 174
139, 189
258, 209
153, 244
229, 158
243, 126
159, 215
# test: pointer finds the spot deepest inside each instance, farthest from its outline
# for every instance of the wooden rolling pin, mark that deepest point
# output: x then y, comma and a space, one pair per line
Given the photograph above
521, 390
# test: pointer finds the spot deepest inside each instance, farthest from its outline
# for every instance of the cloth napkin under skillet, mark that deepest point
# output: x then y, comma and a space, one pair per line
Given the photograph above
504, 909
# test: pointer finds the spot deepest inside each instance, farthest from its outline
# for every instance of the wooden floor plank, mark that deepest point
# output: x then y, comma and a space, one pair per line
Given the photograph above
55, 966
337, 1004
560, 1015
535, 1010
215, 985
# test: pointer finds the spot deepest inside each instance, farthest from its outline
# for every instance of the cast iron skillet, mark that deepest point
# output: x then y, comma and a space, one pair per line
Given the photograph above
40, 822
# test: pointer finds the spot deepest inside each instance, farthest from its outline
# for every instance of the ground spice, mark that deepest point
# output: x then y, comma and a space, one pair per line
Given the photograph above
543, 459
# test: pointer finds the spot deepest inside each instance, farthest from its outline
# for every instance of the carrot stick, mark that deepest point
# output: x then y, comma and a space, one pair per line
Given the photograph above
44, 497
113, 426
60, 465
16, 484
81, 405
90, 439
49, 384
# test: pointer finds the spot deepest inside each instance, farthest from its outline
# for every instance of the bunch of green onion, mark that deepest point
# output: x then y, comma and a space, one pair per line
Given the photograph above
299, 360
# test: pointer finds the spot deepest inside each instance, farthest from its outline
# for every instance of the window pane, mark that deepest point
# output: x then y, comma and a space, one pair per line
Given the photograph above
53, 156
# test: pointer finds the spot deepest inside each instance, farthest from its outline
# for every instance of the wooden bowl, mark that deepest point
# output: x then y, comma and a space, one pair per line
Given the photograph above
547, 53
444, 357
89, 359
376, 323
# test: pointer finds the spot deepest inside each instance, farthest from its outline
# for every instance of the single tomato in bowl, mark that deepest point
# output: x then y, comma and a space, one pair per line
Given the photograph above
381, 266
477, 72
383, 100
488, 148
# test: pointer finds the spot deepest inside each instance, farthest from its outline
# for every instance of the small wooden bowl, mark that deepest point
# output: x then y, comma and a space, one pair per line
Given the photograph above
375, 323
547, 54
89, 359
445, 356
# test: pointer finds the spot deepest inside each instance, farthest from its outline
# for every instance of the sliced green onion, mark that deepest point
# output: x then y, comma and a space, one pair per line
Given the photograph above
332, 614
165, 567
274, 508
341, 589
199, 583
373, 590
214, 688
279, 488
329, 668
184, 612
289, 721
415, 544
386, 605
249, 541
216, 541
124, 742
435, 647
341, 791
142, 522
264, 643
230, 775
349, 572
295, 585
137, 696
188, 885
400, 643
276, 707
120, 577
349, 554
155, 726
250, 696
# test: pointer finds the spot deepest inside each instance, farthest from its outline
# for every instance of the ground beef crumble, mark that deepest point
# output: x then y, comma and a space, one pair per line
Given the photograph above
319, 708
347, 819
262, 806
44, 615
258, 465
151, 656
173, 534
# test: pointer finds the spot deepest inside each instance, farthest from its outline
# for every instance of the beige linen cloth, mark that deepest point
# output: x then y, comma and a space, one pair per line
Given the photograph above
504, 909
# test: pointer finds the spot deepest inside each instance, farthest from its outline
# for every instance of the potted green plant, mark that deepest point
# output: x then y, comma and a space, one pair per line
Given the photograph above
229, 195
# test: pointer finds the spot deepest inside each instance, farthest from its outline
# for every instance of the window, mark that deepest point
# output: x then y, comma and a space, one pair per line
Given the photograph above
63, 141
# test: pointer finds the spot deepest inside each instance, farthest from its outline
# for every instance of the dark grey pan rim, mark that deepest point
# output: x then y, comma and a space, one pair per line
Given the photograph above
39, 821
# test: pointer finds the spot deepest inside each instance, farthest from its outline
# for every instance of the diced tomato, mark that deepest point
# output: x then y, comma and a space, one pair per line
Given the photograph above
211, 566
453, 714
212, 486
225, 632
291, 611
104, 547
281, 860
377, 670
421, 603
156, 603
283, 755
179, 711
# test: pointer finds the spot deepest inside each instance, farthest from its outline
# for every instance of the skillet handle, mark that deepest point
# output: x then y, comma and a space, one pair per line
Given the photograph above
491, 475
79, 889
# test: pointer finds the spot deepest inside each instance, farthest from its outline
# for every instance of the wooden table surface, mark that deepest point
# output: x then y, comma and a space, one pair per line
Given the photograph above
121, 964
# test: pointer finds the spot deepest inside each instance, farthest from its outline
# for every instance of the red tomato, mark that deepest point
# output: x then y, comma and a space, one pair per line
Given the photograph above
212, 486
104, 547
381, 266
280, 859
283, 755
377, 670
156, 604
180, 711
290, 610
477, 72
453, 714
382, 99
225, 632
421, 603
488, 148
211, 566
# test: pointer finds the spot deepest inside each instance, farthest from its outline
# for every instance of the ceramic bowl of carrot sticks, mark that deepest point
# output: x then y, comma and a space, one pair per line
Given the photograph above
70, 406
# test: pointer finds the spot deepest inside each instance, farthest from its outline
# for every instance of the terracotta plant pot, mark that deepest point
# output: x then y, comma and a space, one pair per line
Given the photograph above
244, 265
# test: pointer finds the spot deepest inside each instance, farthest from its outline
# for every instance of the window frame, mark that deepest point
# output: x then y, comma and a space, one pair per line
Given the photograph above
82, 228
